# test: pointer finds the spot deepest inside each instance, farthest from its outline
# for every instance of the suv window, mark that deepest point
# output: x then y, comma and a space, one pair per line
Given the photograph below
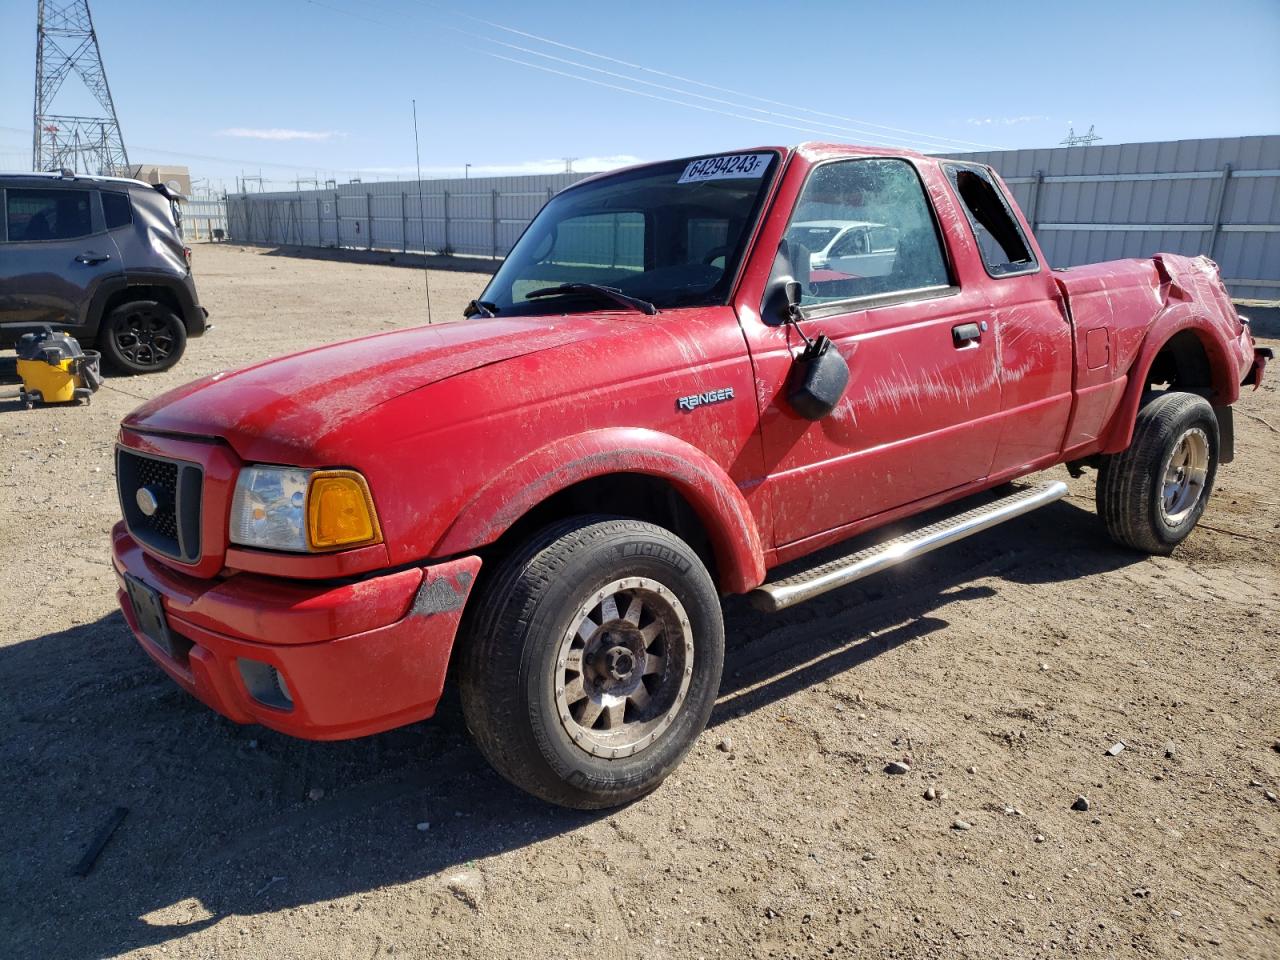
47, 214
1004, 249
116, 209
907, 254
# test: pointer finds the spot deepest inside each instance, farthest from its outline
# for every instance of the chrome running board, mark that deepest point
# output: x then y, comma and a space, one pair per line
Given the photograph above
772, 597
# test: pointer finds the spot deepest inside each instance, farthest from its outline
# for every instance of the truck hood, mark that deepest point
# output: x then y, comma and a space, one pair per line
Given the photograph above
294, 402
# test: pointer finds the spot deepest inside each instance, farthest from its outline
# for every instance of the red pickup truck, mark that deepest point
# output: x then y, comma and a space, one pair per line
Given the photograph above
656, 401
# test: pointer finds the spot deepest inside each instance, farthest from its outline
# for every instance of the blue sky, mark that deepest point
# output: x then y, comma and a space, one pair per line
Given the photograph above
304, 87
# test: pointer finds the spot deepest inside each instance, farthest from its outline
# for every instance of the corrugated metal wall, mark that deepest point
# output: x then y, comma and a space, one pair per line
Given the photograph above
201, 216
481, 216
1220, 197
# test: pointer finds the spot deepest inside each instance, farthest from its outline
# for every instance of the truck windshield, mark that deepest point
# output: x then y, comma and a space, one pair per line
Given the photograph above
671, 234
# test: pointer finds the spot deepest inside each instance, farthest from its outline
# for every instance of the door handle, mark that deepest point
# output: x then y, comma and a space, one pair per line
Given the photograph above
92, 258
965, 333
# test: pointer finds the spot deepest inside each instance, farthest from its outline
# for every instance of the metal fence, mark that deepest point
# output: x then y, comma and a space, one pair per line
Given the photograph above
1220, 197
476, 217
201, 216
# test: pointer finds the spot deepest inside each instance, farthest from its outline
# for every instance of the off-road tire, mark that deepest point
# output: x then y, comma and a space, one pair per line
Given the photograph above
1131, 484
142, 336
510, 666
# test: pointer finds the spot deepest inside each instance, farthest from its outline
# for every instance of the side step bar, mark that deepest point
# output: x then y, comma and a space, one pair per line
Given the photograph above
772, 597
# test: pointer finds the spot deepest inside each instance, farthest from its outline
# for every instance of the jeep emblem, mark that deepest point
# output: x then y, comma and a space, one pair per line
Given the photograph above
146, 501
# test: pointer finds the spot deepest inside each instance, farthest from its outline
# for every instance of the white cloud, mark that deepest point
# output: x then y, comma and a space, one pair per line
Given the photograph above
1006, 121
279, 133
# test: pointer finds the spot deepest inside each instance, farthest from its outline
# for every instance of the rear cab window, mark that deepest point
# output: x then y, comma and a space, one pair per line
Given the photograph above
1001, 242
890, 243
33, 215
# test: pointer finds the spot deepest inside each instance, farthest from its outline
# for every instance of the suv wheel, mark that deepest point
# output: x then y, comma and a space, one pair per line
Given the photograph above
594, 661
1152, 494
142, 336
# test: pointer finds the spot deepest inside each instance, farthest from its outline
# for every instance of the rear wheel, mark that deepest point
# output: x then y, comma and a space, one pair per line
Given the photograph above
142, 336
594, 662
1152, 494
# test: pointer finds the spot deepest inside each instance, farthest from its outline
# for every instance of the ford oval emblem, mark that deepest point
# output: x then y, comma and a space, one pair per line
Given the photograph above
147, 502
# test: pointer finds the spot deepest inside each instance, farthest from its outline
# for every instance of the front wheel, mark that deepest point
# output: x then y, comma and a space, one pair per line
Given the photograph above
1152, 494
594, 661
142, 336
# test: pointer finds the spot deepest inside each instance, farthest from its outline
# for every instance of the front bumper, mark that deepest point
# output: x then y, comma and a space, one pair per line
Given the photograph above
357, 657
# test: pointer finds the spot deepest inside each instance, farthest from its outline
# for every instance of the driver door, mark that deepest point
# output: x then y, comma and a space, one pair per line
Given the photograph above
919, 415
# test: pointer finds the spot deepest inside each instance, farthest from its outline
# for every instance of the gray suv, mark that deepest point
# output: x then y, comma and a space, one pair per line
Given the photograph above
101, 258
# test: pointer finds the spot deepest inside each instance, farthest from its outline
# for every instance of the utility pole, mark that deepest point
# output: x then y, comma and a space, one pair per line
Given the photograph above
568, 164
1072, 139
67, 43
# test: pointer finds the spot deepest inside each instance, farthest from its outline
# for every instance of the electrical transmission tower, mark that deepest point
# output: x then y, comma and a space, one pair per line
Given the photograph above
1072, 139
66, 43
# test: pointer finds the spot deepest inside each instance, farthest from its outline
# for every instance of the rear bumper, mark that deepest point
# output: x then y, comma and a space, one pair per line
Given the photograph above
1260, 357
357, 658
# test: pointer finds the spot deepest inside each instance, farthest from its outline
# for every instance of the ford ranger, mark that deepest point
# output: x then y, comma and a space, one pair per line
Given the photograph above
657, 400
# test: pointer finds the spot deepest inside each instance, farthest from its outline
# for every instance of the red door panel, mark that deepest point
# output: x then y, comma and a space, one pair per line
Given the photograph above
918, 418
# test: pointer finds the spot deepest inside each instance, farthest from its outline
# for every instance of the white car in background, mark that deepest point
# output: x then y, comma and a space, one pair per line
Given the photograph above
856, 247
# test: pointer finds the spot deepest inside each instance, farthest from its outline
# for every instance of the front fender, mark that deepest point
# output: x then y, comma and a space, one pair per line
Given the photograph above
1224, 363
718, 502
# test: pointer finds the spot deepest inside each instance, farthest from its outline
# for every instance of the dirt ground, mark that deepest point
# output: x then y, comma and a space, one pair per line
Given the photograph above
1003, 668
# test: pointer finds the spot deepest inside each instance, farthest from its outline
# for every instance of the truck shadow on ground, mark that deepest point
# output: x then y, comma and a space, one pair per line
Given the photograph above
228, 820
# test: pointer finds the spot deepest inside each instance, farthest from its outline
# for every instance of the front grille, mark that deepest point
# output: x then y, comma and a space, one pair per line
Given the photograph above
172, 488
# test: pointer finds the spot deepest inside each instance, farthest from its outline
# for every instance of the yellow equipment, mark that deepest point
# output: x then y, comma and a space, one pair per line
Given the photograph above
54, 369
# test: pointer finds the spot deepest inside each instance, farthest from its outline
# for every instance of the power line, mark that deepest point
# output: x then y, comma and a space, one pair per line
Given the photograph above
801, 124
709, 86
187, 155
685, 93
641, 93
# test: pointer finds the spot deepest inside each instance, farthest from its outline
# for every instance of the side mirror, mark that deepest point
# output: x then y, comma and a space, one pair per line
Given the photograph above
786, 283
817, 380
794, 294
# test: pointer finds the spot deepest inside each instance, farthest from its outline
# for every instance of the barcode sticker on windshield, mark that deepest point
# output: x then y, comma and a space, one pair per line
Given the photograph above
742, 166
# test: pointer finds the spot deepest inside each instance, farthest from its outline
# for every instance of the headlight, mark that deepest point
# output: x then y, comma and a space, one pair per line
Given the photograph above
286, 508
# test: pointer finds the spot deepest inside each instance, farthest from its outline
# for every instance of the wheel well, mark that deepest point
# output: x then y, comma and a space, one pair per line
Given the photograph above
1182, 364
634, 495
148, 291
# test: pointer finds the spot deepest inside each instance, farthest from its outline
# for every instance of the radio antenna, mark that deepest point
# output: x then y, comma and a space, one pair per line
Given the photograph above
422, 216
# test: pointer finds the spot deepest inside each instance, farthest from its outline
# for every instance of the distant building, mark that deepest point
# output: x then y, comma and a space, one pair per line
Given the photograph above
177, 179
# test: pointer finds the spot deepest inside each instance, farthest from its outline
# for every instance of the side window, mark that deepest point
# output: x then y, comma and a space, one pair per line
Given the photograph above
895, 246
116, 209
47, 214
1004, 248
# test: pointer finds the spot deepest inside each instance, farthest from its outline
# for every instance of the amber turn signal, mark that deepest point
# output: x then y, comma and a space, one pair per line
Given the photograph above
340, 511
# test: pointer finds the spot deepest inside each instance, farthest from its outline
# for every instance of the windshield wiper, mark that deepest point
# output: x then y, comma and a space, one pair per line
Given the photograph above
600, 290
482, 307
